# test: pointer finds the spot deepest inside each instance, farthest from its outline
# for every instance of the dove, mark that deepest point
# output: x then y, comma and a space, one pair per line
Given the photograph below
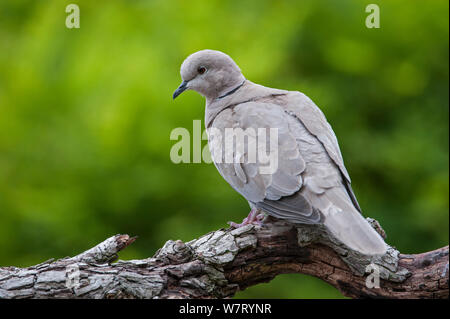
309, 183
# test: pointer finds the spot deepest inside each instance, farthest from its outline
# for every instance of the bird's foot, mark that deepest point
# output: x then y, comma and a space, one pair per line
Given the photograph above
255, 217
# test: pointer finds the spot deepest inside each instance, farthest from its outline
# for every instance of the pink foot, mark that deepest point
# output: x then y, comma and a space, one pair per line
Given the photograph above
254, 217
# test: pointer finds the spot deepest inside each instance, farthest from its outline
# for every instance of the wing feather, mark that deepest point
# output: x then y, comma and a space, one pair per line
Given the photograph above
302, 107
276, 193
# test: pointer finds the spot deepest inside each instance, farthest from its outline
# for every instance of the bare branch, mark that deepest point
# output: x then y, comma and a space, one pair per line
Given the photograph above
222, 262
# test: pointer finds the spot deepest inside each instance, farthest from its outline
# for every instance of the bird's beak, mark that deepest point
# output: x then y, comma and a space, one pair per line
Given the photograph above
181, 89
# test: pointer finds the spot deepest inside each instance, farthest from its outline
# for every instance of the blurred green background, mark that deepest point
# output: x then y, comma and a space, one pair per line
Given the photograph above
86, 114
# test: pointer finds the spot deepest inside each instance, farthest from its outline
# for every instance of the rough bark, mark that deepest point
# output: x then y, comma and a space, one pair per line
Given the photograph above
224, 261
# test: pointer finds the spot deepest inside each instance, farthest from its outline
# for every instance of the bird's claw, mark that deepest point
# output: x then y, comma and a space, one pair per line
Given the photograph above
253, 218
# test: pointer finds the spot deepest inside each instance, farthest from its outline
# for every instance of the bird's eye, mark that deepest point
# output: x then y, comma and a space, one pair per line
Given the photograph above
201, 70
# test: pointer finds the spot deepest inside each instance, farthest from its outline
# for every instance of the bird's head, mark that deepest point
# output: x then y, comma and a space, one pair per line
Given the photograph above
210, 73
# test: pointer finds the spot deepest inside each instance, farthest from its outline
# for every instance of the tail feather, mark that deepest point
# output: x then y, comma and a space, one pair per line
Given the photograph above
348, 225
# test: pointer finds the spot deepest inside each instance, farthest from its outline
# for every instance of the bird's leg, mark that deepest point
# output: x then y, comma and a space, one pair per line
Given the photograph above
254, 217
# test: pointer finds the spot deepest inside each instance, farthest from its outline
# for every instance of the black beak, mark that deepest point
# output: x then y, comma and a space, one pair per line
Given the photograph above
180, 89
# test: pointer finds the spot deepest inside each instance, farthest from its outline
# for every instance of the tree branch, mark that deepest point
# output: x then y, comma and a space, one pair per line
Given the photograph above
222, 262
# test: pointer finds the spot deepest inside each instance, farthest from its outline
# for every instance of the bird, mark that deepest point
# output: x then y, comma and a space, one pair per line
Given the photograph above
309, 183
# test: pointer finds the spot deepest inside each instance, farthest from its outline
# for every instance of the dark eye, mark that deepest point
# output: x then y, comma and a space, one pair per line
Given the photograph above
201, 70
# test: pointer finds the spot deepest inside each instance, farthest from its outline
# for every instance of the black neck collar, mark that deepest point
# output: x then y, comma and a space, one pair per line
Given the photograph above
232, 91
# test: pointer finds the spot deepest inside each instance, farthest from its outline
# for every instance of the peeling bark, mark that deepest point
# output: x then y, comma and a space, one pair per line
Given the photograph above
222, 262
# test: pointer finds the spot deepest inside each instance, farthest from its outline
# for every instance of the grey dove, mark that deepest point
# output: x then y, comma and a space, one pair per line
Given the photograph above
310, 184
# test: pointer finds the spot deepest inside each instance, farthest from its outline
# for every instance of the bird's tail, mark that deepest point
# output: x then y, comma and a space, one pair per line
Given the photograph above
349, 226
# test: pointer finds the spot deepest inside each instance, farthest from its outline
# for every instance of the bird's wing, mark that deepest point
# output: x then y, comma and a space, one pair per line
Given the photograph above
303, 108
274, 189
325, 188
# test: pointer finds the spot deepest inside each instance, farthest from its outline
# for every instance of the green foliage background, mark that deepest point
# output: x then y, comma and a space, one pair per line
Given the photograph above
85, 118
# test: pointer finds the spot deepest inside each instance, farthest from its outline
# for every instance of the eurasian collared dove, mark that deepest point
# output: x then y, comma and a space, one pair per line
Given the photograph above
310, 183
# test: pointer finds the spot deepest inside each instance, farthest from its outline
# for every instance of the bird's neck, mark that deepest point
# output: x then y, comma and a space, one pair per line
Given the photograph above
226, 89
